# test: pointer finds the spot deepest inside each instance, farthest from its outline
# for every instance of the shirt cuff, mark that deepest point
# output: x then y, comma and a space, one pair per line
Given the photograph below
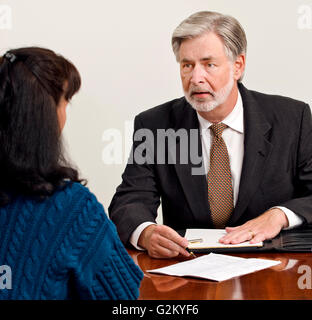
293, 219
136, 234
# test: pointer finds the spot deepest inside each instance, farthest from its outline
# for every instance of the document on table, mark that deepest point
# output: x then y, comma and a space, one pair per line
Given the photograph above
209, 238
217, 267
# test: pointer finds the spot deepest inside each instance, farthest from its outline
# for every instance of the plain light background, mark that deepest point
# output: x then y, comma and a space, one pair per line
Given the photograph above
123, 52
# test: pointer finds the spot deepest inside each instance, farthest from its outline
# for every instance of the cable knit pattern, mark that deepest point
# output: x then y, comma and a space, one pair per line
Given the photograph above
64, 248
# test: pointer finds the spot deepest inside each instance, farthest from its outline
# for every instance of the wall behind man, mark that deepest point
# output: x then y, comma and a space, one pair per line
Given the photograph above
123, 52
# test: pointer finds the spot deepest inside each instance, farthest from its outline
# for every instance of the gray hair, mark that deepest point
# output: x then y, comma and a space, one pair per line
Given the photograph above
226, 27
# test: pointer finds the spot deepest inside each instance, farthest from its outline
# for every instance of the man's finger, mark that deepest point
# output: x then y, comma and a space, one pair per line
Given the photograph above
172, 235
237, 236
158, 251
231, 233
172, 245
258, 238
165, 242
230, 229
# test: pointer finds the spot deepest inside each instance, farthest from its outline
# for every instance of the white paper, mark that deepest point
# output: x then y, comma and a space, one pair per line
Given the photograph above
210, 239
217, 267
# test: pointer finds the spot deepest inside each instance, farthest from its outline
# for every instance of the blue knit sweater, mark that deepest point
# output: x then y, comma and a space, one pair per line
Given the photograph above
64, 247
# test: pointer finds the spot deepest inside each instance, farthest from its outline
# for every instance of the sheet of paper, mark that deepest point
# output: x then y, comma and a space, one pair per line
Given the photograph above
210, 239
217, 267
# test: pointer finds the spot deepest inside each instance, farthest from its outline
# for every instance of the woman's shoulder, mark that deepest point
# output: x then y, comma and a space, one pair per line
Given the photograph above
76, 191
74, 187
76, 199
80, 211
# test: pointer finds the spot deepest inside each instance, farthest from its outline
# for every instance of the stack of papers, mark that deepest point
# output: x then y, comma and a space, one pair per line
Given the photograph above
217, 267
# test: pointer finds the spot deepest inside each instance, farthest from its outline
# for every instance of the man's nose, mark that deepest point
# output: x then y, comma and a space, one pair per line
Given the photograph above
198, 75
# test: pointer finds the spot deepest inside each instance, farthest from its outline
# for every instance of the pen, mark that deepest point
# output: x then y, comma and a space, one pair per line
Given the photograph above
191, 253
192, 241
199, 240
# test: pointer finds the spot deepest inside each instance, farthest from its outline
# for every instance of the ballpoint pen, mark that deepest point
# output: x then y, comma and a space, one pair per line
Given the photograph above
193, 241
191, 252
199, 240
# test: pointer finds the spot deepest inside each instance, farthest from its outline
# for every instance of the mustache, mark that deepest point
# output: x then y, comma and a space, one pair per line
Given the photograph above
196, 90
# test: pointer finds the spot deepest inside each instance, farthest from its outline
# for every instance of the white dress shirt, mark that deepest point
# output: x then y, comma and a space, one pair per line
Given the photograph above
233, 137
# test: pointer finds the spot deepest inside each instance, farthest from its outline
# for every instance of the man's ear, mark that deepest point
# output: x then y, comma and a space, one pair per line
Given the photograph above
239, 66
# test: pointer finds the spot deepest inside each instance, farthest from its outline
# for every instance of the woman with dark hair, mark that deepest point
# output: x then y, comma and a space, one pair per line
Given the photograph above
54, 234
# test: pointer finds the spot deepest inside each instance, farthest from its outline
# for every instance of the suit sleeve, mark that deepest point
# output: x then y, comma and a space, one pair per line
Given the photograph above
137, 198
302, 202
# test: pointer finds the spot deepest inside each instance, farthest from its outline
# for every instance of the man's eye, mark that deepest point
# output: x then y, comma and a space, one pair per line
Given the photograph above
211, 65
187, 66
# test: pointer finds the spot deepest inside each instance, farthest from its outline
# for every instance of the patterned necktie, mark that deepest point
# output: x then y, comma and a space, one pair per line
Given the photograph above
220, 192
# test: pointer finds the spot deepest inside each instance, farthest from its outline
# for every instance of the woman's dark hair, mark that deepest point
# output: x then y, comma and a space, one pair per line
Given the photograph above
32, 161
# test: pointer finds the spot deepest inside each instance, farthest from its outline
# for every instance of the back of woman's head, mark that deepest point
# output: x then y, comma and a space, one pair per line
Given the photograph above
32, 82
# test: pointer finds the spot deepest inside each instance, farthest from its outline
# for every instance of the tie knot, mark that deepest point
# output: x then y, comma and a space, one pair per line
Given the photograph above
217, 128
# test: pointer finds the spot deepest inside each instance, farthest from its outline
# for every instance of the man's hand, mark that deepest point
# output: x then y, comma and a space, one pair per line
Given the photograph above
264, 227
162, 242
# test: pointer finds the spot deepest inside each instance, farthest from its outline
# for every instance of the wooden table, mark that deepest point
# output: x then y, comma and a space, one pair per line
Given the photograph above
289, 280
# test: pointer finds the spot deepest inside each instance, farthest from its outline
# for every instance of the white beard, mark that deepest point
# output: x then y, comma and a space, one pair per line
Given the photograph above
219, 97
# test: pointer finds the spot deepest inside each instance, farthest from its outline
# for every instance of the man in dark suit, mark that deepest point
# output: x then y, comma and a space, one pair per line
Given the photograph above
241, 160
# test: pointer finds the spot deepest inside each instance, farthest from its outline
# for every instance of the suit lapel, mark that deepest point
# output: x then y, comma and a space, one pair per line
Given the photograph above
256, 151
192, 178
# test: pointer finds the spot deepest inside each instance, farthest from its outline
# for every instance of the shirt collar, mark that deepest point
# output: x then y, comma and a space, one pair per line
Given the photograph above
234, 120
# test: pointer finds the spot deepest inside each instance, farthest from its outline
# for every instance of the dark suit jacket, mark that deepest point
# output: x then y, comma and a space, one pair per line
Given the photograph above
277, 168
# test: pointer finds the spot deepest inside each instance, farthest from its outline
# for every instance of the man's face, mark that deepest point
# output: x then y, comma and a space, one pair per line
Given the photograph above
206, 71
